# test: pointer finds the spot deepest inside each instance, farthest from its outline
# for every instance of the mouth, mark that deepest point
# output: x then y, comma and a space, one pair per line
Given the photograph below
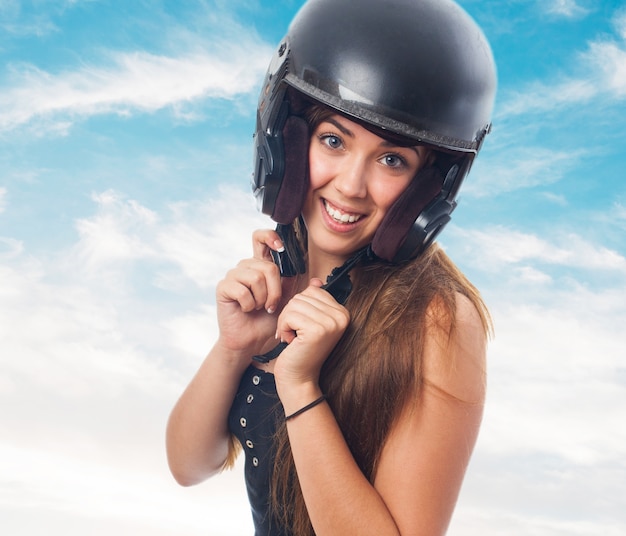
339, 215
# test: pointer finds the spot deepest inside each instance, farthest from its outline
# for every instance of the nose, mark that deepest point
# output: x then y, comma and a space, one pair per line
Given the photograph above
351, 178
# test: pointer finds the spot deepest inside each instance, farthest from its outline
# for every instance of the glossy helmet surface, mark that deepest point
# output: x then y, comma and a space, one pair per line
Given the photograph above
419, 69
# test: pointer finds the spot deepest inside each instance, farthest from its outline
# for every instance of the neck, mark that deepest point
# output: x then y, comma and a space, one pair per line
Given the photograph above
321, 264
339, 284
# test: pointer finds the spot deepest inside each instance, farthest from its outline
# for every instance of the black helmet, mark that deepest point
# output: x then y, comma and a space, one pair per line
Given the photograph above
419, 69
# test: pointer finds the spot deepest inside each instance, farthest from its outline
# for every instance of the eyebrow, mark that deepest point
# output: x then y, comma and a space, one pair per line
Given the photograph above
343, 129
385, 143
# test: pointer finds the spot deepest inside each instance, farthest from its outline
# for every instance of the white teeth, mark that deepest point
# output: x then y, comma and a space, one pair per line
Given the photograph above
339, 216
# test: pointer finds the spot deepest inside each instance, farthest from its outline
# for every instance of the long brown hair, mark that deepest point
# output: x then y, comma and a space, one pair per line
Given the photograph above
376, 368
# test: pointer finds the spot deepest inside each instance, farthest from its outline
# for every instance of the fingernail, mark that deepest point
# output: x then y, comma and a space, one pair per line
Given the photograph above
270, 310
278, 245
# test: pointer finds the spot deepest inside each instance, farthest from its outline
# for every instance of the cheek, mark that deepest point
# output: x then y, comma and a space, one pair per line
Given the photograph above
318, 171
385, 194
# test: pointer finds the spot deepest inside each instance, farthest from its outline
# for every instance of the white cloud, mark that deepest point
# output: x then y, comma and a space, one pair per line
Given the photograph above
206, 239
499, 247
18, 19
92, 364
609, 58
68, 313
113, 234
552, 436
517, 168
560, 363
603, 67
550, 453
132, 83
618, 213
560, 270
557, 199
565, 8
13, 21
40, 487
531, 275
194, 242
538, 97
10, 247
3, 199
619, 23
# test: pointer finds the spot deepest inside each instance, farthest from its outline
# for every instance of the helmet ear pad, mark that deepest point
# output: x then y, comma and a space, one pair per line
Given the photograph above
295, 182
399, 221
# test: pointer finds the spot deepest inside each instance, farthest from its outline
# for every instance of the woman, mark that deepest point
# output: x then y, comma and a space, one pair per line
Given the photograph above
357, 401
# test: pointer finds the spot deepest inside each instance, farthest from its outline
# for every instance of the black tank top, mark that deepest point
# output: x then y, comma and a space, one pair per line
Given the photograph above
253, 420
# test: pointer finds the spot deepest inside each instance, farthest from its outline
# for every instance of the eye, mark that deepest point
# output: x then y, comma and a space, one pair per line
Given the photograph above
393, 161
331, 140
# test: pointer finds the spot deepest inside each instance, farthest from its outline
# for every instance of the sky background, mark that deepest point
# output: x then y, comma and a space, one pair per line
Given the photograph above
125, 160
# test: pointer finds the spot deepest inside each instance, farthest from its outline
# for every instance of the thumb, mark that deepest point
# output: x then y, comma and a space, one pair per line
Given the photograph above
316, 282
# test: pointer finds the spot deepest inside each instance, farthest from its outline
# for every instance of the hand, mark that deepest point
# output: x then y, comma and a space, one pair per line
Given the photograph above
312, 323
248, 297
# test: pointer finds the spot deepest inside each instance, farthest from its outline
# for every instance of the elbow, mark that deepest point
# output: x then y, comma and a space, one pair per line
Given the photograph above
187, 476
190, 467
182, 474
180, 464
192, 461
184, 479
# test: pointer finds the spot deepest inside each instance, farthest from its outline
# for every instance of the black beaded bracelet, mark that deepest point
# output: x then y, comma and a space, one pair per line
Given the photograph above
307, 407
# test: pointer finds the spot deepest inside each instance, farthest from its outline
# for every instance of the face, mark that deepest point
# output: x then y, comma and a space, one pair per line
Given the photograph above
355, 177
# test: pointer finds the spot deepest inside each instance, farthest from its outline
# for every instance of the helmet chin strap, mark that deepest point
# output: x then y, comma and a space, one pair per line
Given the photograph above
338, 285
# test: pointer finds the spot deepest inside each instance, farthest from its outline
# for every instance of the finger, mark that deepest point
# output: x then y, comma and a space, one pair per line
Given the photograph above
272, 286
265, 282
234, 291
315, 290
253, 284
296, 321
316, 282
314, 313
321, 305
311, 328
264, 240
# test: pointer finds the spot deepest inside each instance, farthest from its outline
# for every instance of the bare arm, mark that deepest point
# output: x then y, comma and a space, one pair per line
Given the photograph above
197, 436
424, 460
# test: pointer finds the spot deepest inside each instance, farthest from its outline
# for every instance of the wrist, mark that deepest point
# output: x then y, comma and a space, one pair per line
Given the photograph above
296, 396
319, 400
228, 358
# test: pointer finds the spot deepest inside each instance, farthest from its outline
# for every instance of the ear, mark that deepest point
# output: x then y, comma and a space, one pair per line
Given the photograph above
295, 182
399, 220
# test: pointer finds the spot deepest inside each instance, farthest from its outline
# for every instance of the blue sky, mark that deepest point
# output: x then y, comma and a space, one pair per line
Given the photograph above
125, 157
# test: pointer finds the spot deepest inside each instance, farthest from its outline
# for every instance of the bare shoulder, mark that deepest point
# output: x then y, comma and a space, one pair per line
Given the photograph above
454, 358
426, 454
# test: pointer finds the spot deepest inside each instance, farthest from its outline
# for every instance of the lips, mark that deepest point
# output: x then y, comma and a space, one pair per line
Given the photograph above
339, 215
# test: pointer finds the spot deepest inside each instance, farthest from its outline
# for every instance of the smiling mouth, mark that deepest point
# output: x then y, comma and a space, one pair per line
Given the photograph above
340, 216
